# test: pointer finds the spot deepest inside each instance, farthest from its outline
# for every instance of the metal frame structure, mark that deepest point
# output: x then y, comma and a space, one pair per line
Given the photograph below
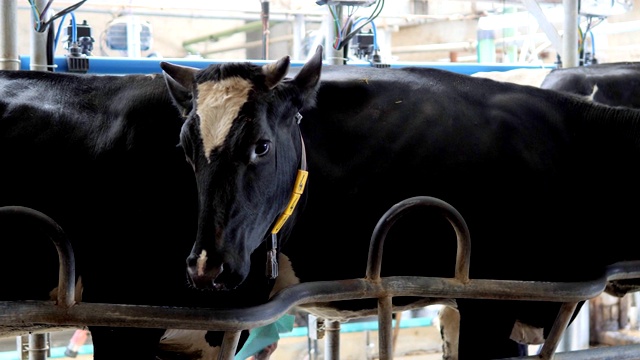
567, 44
65, 312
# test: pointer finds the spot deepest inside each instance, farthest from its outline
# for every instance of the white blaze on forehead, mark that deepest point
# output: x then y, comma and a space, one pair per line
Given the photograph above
218, 104
202, 262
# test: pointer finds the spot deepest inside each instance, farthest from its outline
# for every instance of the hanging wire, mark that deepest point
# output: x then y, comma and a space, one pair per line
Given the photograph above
373, 29
40, 25
593, 45
588, 32
345, 32
74, 30
60, 25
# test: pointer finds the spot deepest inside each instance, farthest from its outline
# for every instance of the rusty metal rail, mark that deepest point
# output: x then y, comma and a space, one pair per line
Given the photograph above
65, 312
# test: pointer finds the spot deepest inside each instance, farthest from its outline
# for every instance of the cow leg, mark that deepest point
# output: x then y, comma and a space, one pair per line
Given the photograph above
125, 343
485, 329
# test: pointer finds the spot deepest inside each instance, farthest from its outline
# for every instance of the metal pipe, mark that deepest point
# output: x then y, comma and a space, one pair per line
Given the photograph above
332, 340
133, 36
559, 326
38, 347
264, 15
570, 34
229, 345
39, 39
124, 65
385, 319
66, 259
9, 57
277, 16
463, 255
333, 56
552, 33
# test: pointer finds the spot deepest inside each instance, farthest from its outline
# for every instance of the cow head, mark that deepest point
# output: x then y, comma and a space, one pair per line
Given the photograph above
242, 138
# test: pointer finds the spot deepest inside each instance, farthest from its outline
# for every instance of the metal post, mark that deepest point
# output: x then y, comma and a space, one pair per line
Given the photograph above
335, 57
332, 340
39, 40
9, 59
265, 29
134, 28
552, 33
570, 35
385, 318
38, 346
576, 336
229, 345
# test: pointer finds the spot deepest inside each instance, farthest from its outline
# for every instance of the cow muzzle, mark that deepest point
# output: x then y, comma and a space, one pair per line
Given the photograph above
203, 274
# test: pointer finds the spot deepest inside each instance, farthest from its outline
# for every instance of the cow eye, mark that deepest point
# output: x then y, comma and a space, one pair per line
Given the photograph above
262, 147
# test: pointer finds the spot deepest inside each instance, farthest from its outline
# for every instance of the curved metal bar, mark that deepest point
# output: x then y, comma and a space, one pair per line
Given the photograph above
67, 268
387, 220
41, 312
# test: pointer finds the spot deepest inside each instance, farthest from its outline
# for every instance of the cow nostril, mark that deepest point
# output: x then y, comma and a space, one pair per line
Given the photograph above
192, 261
202, 273
198, 263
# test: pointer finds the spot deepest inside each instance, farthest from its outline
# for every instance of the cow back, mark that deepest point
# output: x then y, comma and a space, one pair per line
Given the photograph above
378, 136
616, 84
99, 155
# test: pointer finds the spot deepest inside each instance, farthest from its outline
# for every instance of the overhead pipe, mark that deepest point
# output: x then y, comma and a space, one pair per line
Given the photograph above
206, 14
126, 65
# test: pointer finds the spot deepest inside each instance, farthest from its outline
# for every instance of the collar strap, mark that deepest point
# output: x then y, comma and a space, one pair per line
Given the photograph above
298, 189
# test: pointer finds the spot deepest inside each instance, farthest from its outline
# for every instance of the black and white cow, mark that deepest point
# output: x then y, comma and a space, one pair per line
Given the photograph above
100, 156
615, 84
537, 174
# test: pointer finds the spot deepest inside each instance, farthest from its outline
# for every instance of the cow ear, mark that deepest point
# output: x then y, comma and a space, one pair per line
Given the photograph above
275, 72
179, 80
308, 77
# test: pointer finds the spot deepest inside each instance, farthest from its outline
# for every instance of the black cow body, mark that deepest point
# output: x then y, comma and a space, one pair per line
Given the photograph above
615, 84
99, 155
537, 175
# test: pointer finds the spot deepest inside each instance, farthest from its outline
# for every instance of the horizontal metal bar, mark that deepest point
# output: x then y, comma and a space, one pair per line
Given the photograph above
620, 352
125, 65
27, 313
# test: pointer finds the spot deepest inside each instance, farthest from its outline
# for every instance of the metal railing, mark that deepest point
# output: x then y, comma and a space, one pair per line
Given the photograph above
65, 312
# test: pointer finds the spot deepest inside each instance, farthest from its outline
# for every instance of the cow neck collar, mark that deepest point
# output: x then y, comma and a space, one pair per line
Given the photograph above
298, 189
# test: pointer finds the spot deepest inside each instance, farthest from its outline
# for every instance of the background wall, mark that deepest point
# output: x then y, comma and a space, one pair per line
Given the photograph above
407, 30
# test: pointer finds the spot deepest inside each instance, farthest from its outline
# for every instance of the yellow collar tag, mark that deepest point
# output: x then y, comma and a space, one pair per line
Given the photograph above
298, 189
